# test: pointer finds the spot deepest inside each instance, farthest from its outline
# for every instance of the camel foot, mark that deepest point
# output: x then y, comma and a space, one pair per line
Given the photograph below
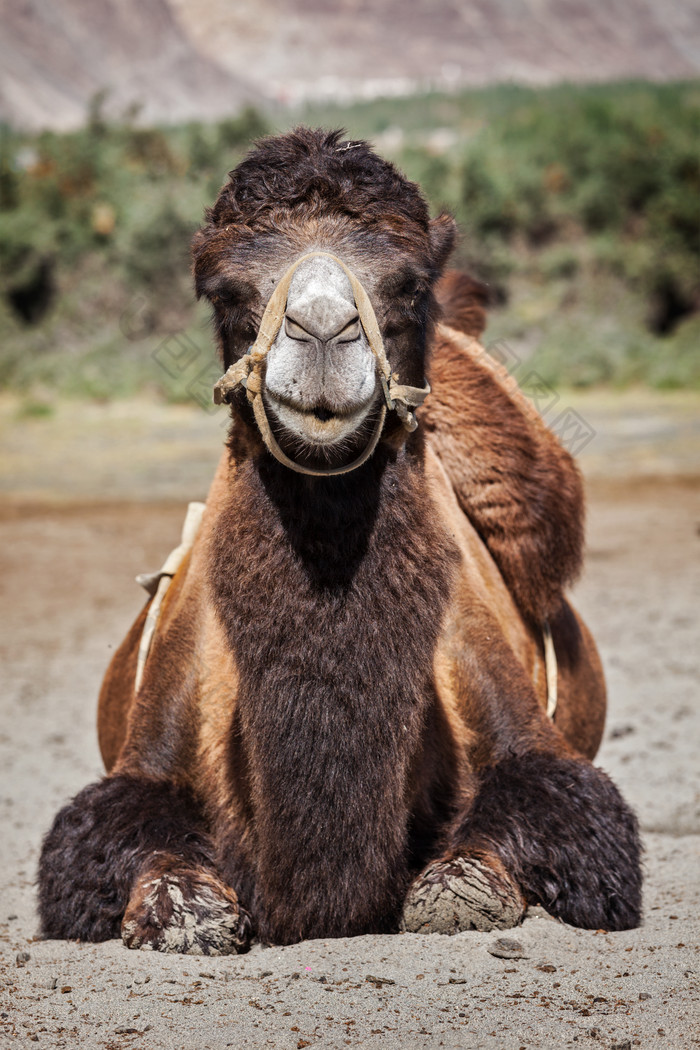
185, 911
465, 893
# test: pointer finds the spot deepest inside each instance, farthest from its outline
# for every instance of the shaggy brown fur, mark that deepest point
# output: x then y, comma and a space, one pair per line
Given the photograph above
347, 687
514, 481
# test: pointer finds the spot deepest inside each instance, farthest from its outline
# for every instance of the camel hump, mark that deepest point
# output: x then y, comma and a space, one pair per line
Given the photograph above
463, 301
513, 479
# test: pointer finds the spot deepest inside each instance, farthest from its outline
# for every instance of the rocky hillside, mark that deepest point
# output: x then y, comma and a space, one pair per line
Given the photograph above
55, 57
182, 59
346, 48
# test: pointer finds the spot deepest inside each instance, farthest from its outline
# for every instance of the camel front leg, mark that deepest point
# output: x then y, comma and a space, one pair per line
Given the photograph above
542, 829
130, 856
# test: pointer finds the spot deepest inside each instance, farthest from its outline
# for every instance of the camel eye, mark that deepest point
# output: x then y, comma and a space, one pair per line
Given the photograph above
402, 285
295, 331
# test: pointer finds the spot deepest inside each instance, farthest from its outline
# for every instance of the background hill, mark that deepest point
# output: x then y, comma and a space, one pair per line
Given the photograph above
202, 59
55, 57
315, 49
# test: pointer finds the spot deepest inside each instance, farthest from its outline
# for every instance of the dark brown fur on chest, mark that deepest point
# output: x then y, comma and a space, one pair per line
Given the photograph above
332, 593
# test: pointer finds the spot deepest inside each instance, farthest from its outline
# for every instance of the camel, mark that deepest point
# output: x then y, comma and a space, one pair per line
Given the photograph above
346, 718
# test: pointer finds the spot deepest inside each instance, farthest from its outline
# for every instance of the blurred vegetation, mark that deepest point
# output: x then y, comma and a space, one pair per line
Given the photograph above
579, 206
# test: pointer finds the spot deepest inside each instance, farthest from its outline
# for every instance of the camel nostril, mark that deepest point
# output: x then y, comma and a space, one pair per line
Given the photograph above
323, 414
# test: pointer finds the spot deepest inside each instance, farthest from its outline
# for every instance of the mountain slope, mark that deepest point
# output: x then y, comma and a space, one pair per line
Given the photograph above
199, 59
317, 49
55, 56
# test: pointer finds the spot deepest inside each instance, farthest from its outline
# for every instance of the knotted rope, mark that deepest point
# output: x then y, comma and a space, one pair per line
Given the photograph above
247, 371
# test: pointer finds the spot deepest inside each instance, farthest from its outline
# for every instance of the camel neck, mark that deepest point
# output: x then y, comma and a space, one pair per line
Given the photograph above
332, 599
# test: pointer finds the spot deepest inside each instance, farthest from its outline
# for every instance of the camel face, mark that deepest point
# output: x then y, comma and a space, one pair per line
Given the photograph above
320, 379
312, 192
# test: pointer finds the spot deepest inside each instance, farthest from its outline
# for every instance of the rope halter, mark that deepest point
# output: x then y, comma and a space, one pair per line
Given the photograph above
247, 372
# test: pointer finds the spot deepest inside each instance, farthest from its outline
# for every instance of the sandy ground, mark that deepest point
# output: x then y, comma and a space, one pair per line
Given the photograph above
96, 495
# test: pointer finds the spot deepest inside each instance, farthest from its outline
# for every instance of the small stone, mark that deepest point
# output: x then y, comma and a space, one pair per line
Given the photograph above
66, 988
22, 958
126, 1031
507, 948
265, 973
547, 968
644, 995
619, 731
378, 981
456, 980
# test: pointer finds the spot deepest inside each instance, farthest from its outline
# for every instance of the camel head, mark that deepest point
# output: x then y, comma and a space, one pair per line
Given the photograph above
311, 192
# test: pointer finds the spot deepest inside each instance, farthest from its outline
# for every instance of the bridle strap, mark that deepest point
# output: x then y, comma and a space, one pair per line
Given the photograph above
247, 371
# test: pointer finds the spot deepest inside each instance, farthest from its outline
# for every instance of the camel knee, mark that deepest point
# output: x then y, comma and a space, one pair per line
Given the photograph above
97, 845
463, 892
174, 907
565, 834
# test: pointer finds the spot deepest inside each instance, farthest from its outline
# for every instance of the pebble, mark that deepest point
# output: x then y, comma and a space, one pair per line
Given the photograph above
507, 948
22, 958
619, 731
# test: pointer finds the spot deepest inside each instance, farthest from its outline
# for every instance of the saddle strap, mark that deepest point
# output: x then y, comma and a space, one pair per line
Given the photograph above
157, 583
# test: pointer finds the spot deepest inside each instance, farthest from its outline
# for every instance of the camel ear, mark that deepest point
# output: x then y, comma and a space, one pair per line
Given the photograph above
443, 234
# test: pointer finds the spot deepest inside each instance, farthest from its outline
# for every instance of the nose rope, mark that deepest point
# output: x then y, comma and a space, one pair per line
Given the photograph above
247, 371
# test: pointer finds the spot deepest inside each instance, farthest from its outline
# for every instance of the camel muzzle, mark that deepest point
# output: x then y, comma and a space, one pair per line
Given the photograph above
247, 372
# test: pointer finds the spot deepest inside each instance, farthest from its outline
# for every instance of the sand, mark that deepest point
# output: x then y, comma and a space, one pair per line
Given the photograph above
85, 516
